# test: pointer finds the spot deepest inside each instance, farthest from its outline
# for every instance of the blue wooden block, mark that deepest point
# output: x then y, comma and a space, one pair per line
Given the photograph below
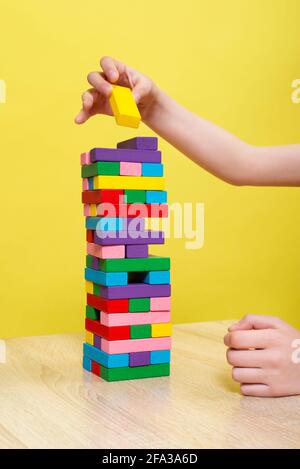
91, 184
157, 277
152, 169
108, 360
160, 356
104, 223
87, 363
156, 197
109, 279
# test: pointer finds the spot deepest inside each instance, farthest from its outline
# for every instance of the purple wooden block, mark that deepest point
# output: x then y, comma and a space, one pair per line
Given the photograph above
95, 263
97, 341
137, 250
139, 359
122, 154
139, 143
112, 238
135, 290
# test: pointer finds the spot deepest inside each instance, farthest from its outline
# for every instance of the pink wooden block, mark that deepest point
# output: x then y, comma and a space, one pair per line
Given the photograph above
86, 210
85, 184
129, 319
106, 252
160, 303
85, 158
136, 345
130, 169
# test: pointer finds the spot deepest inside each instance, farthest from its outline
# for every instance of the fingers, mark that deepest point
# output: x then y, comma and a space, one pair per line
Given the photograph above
89, 99
249, 339
248, 375
254, 321
112, 68
256, 390
97, 81
246, 358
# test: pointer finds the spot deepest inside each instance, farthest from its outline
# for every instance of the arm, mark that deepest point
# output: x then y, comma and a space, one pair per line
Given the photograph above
208, 145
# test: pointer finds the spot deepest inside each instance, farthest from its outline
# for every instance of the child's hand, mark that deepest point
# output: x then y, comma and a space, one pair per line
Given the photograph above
96, 99
265, 355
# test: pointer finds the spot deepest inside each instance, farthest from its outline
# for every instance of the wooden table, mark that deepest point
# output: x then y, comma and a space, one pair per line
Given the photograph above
47, 401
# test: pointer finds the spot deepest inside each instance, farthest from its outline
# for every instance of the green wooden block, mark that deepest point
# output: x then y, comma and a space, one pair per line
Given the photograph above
137, 372
107, 168
140, 332
135, 196
89, 261
143, 264
92, 313
139, 305
97, 289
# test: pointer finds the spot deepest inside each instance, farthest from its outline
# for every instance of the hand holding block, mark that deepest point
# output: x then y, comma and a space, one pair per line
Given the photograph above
124, 107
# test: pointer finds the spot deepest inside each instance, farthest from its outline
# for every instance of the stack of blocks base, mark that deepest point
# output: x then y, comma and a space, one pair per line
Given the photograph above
128, 328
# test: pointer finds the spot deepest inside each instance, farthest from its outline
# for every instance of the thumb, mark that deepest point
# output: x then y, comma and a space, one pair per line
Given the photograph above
138, 91
255, 321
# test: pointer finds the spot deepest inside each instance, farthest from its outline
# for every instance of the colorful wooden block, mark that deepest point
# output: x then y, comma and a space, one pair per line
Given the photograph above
104, 223
161, 330
136, 251
139, 359
156, 197
142, 331
110, 361
87, 363
139, 305
89, 286
106, 252
124, 107
113, 196
85, 184
89, 337
89, 236
91, 183
130, 237
136, 290
108, 333
130, 169
90, 210
128, 182
139, 143
137, 345
153, 263
152, 169
93, 313
106, 278
157, 277
160, 356
134, 196
97, 341
160, 304
95, 368
131, 319
108, 306
137, 372
108, 168
85, 158
120, 154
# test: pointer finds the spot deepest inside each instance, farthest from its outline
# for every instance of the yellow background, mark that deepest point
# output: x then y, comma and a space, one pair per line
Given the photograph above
230, 61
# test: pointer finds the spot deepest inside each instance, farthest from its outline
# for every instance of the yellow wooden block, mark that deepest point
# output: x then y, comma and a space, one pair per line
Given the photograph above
124, 107
161, 330
129, 182
89, 337
93, 210
89, 287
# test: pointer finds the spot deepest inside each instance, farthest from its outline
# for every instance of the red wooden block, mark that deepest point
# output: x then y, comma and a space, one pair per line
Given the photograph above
90, 236
95, 368
133, 210
112, 196
108, 333
108, 306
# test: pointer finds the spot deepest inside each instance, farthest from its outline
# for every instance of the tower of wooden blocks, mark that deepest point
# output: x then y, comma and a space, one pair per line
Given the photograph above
127, 320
